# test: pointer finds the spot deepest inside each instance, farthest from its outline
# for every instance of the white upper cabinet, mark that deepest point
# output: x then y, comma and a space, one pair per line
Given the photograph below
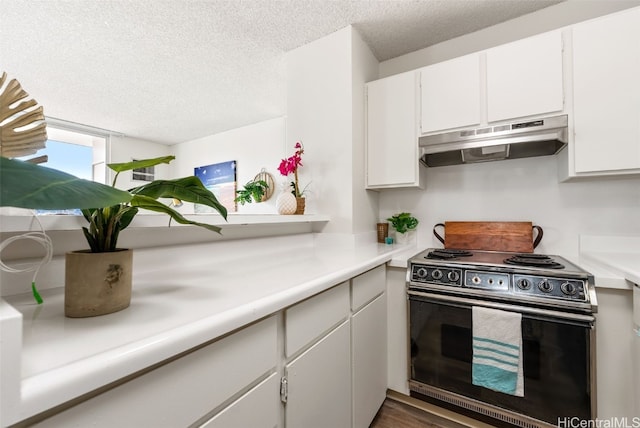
524, 78
516, 80
606, 94
392, 144
450, 94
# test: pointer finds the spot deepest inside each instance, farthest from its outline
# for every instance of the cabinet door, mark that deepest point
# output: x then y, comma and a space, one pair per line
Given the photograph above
606, 93
450, 94
307, 321
524, 78
258, 408
392, 145
182, 391
369, 354
319, 384
365, 287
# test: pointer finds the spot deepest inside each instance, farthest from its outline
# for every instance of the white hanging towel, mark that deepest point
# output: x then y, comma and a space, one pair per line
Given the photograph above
497, 350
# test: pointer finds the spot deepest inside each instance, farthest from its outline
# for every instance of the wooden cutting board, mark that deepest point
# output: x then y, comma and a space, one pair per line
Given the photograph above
512, 236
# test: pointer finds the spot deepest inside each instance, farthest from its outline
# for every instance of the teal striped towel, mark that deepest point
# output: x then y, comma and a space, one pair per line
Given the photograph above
497, 350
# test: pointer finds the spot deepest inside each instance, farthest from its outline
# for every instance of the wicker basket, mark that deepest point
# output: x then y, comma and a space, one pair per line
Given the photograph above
300, 205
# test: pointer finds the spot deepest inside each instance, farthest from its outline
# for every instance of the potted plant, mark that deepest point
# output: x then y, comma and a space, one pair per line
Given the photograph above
108, 211
403, 223
254, 190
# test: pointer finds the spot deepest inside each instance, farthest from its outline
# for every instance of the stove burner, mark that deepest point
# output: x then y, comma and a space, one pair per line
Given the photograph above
448, 253
534, 260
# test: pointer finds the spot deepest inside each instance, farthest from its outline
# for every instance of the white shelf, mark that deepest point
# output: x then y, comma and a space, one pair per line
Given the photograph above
24, 223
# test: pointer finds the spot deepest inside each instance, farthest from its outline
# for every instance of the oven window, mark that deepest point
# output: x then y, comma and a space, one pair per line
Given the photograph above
556, 361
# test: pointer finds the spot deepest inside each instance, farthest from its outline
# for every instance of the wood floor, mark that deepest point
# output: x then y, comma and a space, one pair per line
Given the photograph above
394, 414
400, 411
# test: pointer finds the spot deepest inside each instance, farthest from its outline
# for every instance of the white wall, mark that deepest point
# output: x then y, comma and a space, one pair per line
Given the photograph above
325, 109
365, 203
254, 147
521, 190
550, 18
319, 91
125, 149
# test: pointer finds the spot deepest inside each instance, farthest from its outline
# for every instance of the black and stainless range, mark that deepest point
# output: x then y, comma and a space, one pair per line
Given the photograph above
557, 301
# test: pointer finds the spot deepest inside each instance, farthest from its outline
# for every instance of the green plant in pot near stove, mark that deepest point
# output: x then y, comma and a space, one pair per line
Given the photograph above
404, 224
98, 280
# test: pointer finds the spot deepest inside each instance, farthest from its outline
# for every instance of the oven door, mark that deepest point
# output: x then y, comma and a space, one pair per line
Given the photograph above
558, 361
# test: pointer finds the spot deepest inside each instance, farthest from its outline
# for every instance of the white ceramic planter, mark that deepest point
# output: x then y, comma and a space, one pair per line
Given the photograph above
286, 203
405, 238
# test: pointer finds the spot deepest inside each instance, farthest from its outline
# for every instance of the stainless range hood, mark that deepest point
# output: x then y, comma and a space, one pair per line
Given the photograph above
539, 137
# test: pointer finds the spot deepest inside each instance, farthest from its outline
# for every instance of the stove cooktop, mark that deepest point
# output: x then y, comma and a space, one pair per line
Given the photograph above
544, 280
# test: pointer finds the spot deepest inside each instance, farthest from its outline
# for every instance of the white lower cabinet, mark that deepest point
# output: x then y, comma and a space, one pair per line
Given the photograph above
369, 360
258, 408
367, 286
309, 320
338, 378
319, 383
319, 363
182, 392
397, 337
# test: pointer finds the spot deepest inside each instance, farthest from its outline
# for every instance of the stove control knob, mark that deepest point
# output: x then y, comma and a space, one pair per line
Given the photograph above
524, 284
436, 274
453, 276
568, 288
545, 286
421, 273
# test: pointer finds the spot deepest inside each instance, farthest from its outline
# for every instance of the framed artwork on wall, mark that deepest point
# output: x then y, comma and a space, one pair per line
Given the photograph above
220, 179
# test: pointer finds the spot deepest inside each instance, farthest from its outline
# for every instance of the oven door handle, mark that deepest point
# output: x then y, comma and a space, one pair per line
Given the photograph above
463, 301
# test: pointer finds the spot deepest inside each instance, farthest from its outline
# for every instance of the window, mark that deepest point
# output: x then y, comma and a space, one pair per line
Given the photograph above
76, 150
144, 174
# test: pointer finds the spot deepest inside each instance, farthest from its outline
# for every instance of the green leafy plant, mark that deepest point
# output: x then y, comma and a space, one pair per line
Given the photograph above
27, 185
253, 189
107, 209
403, 222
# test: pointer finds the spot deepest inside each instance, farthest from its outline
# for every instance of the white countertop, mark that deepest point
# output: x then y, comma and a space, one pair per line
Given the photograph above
182, 297
624, 265
613, 260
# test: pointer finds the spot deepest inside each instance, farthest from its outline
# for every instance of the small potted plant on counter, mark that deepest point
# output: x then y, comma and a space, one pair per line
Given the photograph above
98, 280
404, 224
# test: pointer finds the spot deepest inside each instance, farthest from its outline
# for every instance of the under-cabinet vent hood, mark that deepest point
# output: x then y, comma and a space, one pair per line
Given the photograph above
539, 137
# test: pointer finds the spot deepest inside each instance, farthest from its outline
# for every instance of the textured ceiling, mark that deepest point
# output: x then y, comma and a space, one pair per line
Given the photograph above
173, 71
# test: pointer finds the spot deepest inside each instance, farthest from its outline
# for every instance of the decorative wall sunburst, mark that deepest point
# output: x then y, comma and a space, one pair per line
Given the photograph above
23, 130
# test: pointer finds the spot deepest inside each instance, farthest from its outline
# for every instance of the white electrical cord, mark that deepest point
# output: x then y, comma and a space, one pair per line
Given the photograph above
41, 238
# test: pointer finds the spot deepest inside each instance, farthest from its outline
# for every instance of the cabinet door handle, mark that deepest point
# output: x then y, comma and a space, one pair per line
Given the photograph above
284, 389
